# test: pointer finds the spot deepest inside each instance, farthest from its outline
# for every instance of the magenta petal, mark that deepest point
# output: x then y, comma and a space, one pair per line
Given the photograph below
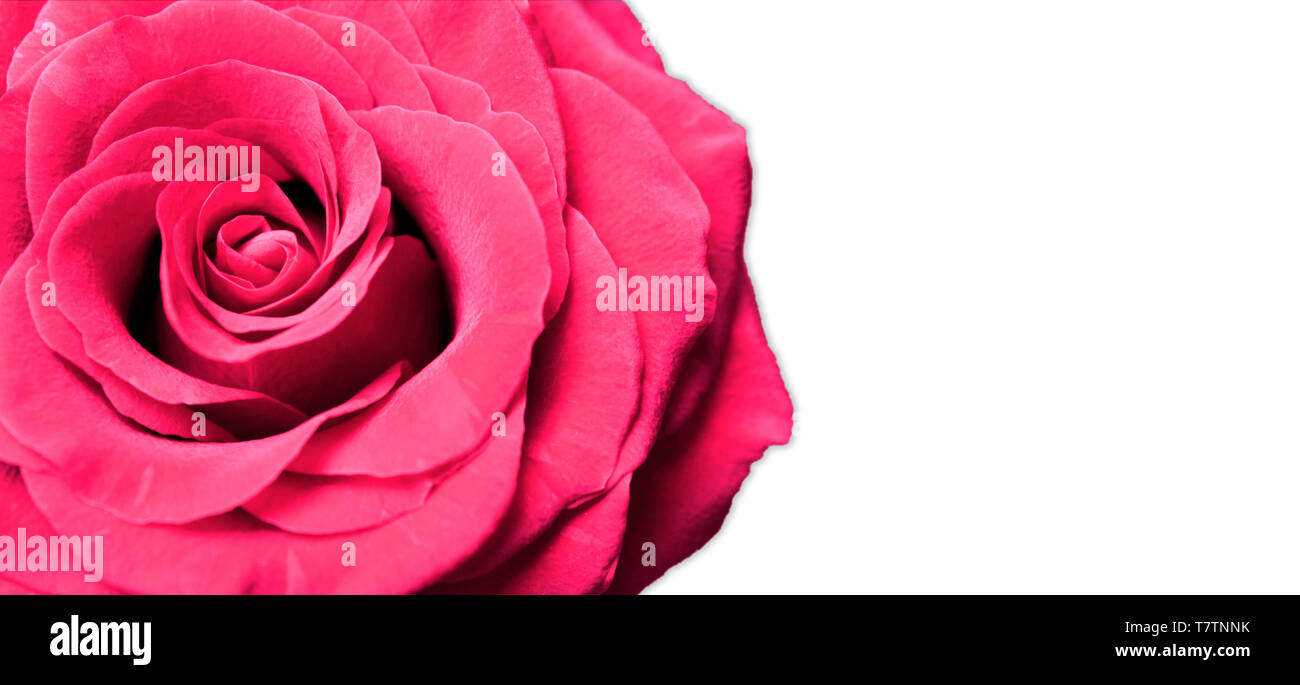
390, 77
386, 18
16, 454
489, 43
708, 144
587, 364
98, 272
10, 588
683, 492
189, 334
17, 22
16, 223
480, 226
18, 511
624, 31
165, 411
322, 505
466, 101
236, 553
70, 19
156, 395
402, 298
77, 89
652, 227
188, 212
214, 95
235, 261
108, 460
577, 555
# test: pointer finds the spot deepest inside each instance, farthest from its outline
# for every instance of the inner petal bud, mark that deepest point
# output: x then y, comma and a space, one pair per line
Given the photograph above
255, 260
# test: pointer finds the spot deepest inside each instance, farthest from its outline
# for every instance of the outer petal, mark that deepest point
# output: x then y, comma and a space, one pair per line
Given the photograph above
18, 511
651, 218
387, 18
683, 492
16, 225
578, 555
235, 553
391, 78
76, 90
708, 144
321, 505
70, 19
10, 588
625, 31
586, 375
17, 19
466, 101
489, 44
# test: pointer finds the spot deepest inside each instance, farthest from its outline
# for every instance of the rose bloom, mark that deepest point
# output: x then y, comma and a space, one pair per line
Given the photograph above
303, 298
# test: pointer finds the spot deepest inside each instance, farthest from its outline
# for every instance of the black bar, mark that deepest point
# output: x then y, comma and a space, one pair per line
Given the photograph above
324, 634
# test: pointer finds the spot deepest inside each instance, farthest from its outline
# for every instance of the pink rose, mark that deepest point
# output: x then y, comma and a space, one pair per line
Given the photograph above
369, 297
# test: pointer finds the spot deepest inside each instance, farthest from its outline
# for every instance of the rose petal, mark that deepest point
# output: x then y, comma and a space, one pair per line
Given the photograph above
682, 493
403, 299
587, 365
16, 224
386, 18
488, 43
232, 89
16, 22
16, 454
70, 19
391, 77
84, 311
235, 553
325, 505
625, 30
708, 144
77, 89
18, 511
650, 217
577, 555
480, 226
466, 101
186, 326
110, 461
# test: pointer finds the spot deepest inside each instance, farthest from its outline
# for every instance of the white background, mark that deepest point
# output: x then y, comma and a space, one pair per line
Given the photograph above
1032, 271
